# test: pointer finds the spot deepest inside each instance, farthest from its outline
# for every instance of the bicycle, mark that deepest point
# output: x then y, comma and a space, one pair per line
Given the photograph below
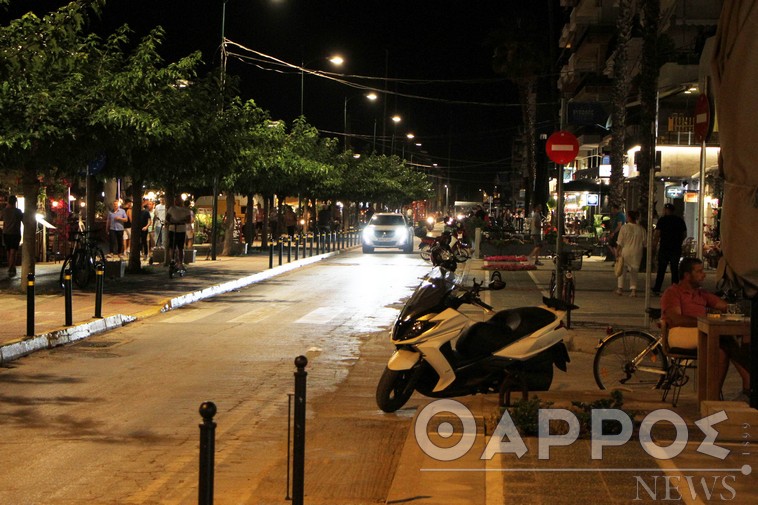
634, 359
82, 259
570, 261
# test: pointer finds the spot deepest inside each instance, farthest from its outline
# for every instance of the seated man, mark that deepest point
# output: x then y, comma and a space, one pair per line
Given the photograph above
683, 303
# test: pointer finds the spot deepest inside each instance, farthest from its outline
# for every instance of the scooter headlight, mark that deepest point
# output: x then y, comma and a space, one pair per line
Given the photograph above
414, 330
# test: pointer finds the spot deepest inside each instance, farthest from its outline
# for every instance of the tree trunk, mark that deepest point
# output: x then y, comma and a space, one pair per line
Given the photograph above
619, 98
649, 99
30, 188
229, 233
529, 111
264, 230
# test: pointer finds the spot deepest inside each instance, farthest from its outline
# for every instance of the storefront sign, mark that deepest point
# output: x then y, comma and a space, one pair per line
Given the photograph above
674, 191
593, 199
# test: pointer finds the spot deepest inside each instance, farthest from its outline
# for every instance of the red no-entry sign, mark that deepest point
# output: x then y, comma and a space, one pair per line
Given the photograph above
702, 119
562, 147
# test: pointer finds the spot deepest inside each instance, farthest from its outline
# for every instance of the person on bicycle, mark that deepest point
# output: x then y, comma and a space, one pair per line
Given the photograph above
683, 303
177, 218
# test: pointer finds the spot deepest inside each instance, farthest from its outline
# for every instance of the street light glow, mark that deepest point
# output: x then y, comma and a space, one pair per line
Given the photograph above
410, 136
372, 96
337, 60
396, 118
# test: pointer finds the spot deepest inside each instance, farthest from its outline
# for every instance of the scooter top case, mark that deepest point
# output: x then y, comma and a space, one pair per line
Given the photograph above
505, 328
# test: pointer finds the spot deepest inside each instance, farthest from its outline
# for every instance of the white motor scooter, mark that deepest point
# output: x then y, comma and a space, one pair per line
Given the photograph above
441, 352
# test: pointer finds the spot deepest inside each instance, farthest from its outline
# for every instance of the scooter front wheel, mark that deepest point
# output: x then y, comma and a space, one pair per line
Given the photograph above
394, 389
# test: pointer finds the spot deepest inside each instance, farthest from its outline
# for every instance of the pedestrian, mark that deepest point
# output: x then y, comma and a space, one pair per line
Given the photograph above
127, 225
631, 242
190, 230
670, 232
159, 218
115, 222
177, 218
145, 221
535, 230
617, 221
258, 221
12, 219
290, 220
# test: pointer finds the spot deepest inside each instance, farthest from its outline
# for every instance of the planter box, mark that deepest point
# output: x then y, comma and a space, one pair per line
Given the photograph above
115, 269
190, 255
489, 249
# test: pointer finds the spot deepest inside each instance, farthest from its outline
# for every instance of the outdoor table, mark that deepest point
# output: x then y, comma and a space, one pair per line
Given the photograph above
709, 330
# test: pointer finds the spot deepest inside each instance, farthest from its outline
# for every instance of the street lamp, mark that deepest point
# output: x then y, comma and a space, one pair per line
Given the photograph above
447, 203
370, 97
395, 119
335, 60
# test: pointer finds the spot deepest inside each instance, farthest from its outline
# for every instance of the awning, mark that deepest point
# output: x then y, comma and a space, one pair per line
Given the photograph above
582, 185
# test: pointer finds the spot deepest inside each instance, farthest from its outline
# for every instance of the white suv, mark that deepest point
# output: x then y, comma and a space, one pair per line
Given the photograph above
387, 230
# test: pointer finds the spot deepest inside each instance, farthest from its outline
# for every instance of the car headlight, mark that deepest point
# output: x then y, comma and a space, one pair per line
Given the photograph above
401, 232
430, 220
368, 232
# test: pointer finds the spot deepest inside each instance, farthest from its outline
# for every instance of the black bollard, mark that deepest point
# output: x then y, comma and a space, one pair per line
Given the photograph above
311, 239
99, 271
298, 446
207, 454
68, 295
281, 251
303, 238
289, 249
297, 247
30, 305
271, 255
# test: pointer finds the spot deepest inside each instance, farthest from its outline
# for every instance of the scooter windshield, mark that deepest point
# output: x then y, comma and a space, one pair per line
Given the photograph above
429, 296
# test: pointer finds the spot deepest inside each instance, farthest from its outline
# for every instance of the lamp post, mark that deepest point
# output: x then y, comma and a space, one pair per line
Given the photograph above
371, 97
336, 60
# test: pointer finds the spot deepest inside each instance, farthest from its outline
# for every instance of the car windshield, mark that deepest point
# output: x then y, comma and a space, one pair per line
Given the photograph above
387, 220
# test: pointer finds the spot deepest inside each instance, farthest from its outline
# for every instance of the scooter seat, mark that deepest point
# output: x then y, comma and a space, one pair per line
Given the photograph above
502, 329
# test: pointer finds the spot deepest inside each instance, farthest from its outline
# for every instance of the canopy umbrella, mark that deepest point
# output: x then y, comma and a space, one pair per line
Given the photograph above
735, 72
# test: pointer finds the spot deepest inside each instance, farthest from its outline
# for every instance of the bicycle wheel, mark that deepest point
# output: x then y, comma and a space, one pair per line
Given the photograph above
614, 365
66, 265
461, 253
82, 267
426, 255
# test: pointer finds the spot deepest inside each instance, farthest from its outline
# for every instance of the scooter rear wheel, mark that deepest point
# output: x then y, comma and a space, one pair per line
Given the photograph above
393, 389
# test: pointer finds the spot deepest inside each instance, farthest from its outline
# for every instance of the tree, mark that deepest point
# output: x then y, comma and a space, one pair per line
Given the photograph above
45, 102
521, 55
649, 70
621, 85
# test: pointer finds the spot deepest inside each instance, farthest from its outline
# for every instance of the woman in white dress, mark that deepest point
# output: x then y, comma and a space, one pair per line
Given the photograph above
631, 242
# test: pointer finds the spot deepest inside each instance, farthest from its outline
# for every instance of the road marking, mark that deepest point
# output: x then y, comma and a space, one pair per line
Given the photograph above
258, 314
191, 315
322, 315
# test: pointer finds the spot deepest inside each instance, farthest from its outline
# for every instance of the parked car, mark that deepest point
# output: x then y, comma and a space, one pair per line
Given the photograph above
388, 230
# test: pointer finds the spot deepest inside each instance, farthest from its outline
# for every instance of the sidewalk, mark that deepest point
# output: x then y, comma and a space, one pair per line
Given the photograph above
125, 299
625, 474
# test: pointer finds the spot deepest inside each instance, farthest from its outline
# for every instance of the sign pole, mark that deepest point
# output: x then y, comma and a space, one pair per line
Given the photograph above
562, 148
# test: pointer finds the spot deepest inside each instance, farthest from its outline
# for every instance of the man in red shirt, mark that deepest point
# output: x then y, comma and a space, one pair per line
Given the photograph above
683, 303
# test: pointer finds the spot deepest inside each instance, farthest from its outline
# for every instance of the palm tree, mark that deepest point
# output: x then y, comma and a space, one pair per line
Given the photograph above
621, 85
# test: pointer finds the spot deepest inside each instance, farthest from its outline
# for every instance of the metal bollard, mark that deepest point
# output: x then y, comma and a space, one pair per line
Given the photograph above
297, 247
311, 239
99, 271
207, 454
68, 295
289, 249
298, 446
30, 305
303, 238
271, 255
281, 251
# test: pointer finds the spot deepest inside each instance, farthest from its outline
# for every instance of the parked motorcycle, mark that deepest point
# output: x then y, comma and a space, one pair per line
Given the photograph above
441, 352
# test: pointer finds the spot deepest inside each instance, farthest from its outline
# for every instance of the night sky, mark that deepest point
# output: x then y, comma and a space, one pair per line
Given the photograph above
435, 50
